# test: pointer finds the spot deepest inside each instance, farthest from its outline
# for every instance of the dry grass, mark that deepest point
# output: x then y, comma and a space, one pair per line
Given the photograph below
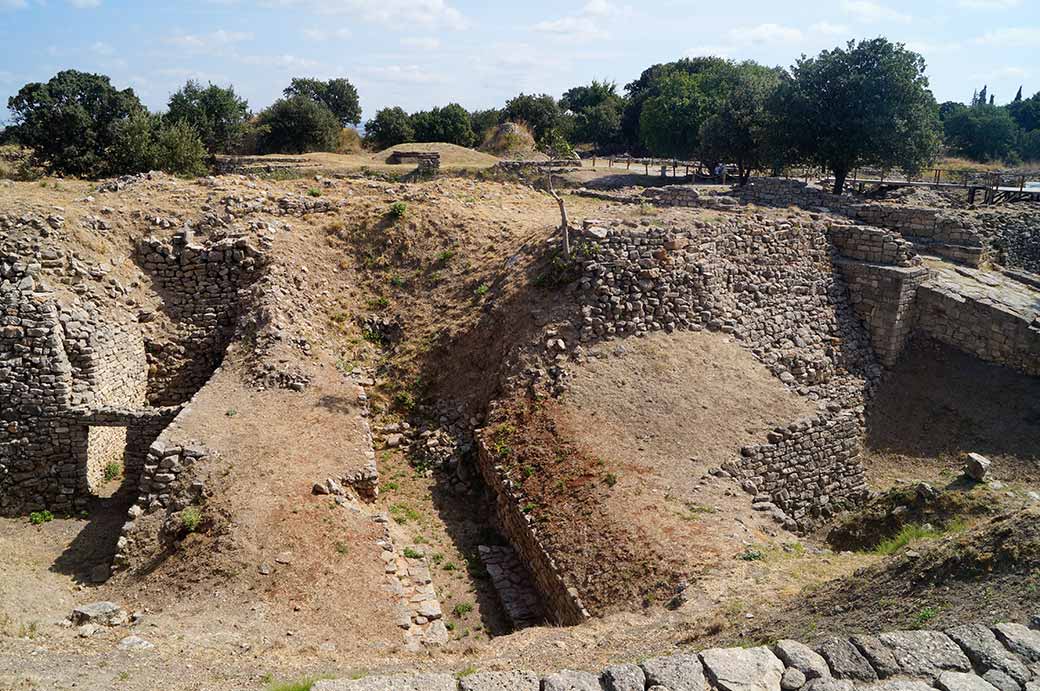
349, 141
510, 140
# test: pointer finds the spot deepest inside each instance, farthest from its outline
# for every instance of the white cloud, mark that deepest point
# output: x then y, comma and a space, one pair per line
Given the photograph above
102, 48
933, 47
990, 4
1003, 73
85, 4
213, 41
717, 50
284, 61
764, 33
587, 24
829, 29
13, 4
421, 42
1016, 37
327, 34
869, 11
398, 14
401, 74
577, 28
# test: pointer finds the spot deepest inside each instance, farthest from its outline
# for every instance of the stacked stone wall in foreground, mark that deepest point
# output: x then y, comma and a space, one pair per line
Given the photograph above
971, 657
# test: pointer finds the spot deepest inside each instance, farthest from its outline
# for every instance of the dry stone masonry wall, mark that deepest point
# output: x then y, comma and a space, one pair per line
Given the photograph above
948, 235
772, 285
203, 289
74, 384
971, 657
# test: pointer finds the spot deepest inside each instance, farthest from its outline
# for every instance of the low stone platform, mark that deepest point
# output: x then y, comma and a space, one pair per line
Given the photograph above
971, 657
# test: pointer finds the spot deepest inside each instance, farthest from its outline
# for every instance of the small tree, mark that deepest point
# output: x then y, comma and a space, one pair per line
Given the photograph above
179, 149
556, 147
390, 126
866, 104
596, 109
216, 113
133, 145
69, 121
297, 125
338, 95
637, 92
1026, 112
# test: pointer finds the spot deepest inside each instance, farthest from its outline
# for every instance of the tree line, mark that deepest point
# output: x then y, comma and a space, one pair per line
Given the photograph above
79, 124
863, 104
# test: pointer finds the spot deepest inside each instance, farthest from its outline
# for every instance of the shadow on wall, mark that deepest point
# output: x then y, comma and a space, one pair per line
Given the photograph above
938, 401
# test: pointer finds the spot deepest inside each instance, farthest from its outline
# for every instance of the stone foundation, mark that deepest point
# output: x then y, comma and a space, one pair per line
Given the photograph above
970, 656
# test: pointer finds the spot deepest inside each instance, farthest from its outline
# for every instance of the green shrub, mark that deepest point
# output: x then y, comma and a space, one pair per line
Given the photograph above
314, 192
398, 210
412, 553
297, 125
41, 517
191, 518
925, 615
112, 471
179, 150
751, 554
462, 609
133, 147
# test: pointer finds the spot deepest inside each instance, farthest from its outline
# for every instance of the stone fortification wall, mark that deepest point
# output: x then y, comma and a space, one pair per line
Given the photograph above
38, 468
61, 362
809, 470
76, 384
885, 298
982, 327
873, 245
969, 656
203, 288
562, 601
108, 369
769, 283
937, 231
772, 285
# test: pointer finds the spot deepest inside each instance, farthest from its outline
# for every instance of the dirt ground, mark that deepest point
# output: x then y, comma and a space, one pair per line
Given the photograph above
939, 403
459, 273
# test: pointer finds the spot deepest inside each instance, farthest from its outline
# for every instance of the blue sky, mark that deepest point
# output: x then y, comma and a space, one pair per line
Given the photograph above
422, 53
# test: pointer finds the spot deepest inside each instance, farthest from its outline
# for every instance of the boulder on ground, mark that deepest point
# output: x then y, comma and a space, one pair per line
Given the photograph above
100, 613
977, 467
